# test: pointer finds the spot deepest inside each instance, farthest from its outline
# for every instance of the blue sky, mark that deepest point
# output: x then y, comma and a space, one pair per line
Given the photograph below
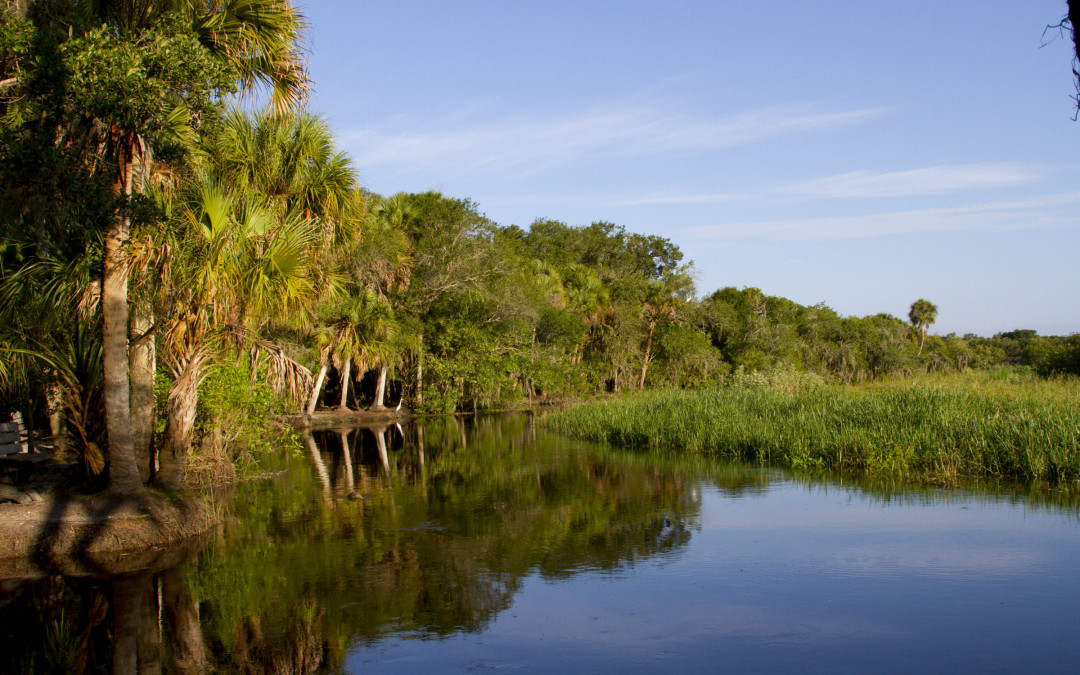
860, 154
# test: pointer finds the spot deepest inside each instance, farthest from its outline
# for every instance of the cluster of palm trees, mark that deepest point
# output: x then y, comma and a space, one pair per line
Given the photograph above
218, 226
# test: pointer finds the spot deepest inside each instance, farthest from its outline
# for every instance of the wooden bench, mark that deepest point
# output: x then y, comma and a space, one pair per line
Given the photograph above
12, 436
15, 450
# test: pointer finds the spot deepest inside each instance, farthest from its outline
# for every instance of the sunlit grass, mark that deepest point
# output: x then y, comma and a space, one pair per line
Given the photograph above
976, 424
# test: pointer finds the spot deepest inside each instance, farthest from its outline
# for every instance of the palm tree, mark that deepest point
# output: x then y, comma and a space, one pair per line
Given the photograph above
362, 330
922, 314
588, 298
234, 267
388, 272
292, 162
662, 300
249, 44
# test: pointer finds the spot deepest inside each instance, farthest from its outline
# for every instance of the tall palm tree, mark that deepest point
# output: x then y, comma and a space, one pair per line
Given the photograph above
922, 314
234, 267
292, 162
246, 44
388, 273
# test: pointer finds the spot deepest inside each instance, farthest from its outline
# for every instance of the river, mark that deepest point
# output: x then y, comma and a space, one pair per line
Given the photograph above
455, 545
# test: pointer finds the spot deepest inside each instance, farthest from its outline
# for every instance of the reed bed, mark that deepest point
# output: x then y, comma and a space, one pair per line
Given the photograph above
932, 428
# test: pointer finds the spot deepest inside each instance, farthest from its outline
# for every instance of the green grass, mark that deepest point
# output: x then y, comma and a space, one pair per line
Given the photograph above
938, 428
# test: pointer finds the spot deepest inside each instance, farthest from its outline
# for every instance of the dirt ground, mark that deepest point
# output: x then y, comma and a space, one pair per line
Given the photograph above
97, 534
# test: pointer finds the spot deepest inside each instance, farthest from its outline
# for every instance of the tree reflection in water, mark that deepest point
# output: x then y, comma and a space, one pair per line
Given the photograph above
444, 523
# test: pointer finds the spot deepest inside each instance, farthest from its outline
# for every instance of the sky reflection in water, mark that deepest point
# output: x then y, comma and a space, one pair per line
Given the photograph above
814, 579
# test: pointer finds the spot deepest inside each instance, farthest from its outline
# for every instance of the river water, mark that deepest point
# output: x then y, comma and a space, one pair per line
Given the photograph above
461, 545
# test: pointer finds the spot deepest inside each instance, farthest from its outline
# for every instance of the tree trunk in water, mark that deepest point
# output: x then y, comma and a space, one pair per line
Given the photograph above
123, 470
136, 641
314, 400
182, 628
125, 616
380, 442
350, 479
180, 406
380, 389
142, 360
345, 385
149, 642
648, 356
320, 466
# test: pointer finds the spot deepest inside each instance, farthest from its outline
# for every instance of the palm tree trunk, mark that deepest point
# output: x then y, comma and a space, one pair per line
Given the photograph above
922, 338
345, 385
317, 389
648, 356
380, 389
123, 470
54, 397
142, 360
420, 369
183, 397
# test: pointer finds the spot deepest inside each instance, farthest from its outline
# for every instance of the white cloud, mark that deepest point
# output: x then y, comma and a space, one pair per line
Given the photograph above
995, 216
932, 180
601, 133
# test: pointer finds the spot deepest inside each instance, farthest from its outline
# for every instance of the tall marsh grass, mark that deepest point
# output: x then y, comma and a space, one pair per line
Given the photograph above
939, 428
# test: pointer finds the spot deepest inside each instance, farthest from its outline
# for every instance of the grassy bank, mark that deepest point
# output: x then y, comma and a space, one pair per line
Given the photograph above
976, 424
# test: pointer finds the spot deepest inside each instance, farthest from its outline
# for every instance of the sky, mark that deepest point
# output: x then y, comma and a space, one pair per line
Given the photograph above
860, 154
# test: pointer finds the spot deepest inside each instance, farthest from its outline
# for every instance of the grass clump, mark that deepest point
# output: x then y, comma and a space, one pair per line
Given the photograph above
939, 428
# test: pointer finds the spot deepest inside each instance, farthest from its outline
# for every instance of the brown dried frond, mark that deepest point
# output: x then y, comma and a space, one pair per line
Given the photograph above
286, 376
90, 299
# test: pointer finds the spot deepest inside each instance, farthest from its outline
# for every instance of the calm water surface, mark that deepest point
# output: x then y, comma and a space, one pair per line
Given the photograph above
469, 545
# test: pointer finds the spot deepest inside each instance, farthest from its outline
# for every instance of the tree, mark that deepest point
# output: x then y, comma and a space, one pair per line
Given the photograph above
1068, 25
291, 161
922, 314
118, 76
234, 267
661, 301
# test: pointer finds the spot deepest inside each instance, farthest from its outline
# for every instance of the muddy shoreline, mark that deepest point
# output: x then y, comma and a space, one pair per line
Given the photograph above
333, 418
99, 534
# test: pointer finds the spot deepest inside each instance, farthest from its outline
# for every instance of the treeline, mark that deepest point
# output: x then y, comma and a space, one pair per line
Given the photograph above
167, 259
755, 332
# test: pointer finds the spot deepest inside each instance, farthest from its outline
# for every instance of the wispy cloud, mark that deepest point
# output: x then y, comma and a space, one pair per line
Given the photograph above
663, 198
997, 216
932, 180
528, 142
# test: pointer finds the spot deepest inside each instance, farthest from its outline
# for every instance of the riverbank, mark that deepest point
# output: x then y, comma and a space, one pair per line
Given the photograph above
331, 418
936, 429
92, 534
